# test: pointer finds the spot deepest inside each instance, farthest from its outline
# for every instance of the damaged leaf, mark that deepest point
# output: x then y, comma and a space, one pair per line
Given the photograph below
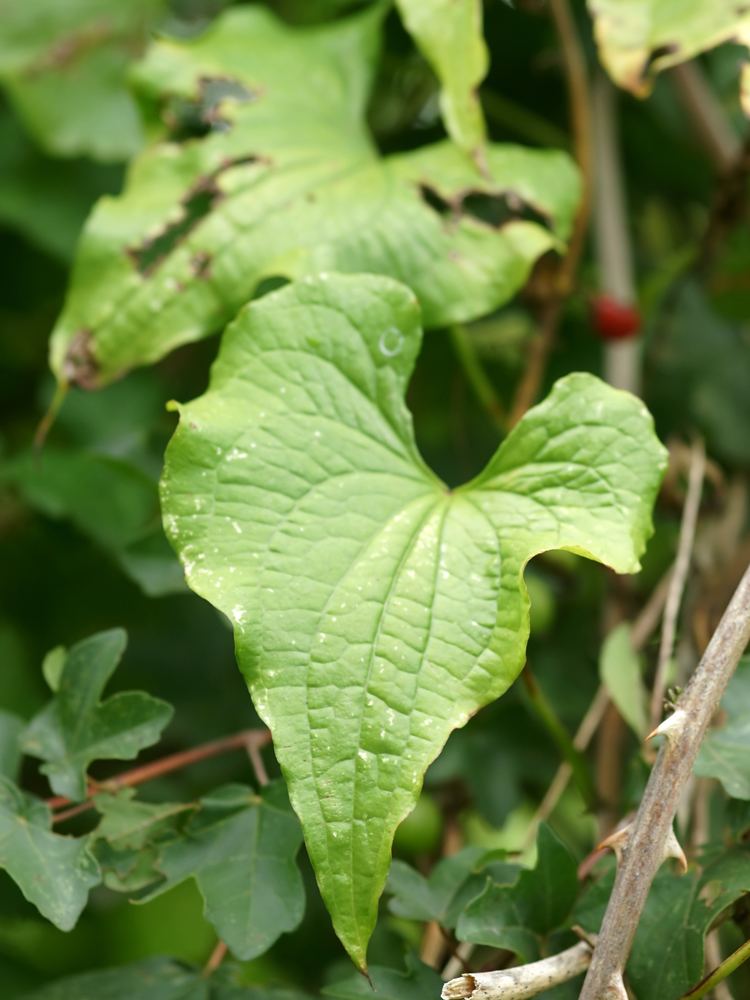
376, 610
262, 173
639, 38
449, 33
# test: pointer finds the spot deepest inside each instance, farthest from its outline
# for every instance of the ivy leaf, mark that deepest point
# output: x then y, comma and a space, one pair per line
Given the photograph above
127, 840
451, 885
240, 848
64, 65
725, 752
416, 983
280, 177
54, 873
509, 916
449, 33
639, 38
76, 728
376, 610
620, 671
159, 979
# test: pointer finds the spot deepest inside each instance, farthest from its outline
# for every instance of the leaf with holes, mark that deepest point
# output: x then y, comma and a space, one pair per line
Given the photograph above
265, 173
54, 873
240, 848
64, 67
375, 609
76, 728
639, 38
449, 33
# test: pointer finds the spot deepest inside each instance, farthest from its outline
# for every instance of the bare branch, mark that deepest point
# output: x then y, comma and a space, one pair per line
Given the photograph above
523, 980
679, 577
653, 824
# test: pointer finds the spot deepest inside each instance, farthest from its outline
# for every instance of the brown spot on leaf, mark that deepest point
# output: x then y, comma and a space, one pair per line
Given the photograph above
80, 366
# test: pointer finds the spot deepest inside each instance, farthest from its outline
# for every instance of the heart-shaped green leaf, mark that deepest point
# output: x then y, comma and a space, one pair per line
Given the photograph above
264, 172
375, 609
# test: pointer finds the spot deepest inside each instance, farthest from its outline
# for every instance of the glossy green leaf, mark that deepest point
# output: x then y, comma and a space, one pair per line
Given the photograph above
449, 33
54, 873
11, 727
416, 983
376, 610
451, 885
76, 727
265, 173
725, 752
64, 67
509, 916
240, 848
639, 38
621, 674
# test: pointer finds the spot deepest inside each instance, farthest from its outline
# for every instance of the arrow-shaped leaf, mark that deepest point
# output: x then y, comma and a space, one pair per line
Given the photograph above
376, 609
54, 873
265, 172
76, 727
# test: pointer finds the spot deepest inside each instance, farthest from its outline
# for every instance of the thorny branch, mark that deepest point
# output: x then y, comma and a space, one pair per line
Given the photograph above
649, 834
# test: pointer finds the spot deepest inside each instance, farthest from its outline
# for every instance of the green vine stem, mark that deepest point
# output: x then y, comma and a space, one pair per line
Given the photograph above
727, 967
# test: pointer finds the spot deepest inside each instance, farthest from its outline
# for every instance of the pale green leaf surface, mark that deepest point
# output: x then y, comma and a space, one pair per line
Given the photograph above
449, 33
241, 848
375, 610
638, 38
64, 67
283, 180
620, 672
725, 752
76, 727
54, 873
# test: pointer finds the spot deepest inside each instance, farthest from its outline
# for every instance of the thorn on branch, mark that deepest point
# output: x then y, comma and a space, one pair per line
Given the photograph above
619, 841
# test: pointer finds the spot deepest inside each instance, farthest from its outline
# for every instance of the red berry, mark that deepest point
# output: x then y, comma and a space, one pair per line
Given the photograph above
614, 320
